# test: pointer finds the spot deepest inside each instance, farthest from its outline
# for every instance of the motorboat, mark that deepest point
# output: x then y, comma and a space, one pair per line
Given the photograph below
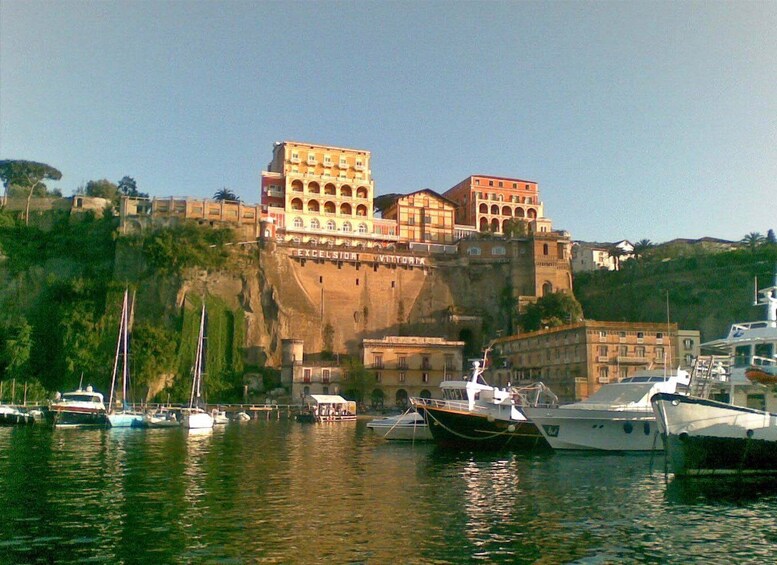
79, 408
733, 429
617, 417
13, 416
219, 417
409, 426
242, 416
473, 413
709, 437
161, 418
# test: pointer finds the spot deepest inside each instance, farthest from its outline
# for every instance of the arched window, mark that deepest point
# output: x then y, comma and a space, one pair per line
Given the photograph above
345, 209
298, 223
329, 208
296, 186
296, 204
361, 192
507, 211
473, 251
347, 227
313, 206
533, 214
519, 213
483, 224
362, 228
329, 188
544, 248
346, 191
314, 187
495, 225
547, 288
361, 210
331, 226
483, 208
315, 224
495, 209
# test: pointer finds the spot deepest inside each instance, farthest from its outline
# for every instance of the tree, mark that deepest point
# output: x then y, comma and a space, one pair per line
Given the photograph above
753, 240
552, 310
15, 350
642, 248
27, 175
616, 253
357, 380
226, 194
102, 188
515, 227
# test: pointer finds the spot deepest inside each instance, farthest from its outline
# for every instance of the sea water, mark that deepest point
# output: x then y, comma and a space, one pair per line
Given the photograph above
283, 492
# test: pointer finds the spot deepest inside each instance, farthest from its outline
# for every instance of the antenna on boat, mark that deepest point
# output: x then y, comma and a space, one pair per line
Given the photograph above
755, 291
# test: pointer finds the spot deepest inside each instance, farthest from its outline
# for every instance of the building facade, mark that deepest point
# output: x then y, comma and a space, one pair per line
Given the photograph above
577, 359
320, 193
404, 366
489, 203
596, 256
422, 216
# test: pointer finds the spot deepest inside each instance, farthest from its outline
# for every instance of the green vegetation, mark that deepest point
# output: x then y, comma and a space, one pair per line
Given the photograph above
552, 310
702, 289
60, 307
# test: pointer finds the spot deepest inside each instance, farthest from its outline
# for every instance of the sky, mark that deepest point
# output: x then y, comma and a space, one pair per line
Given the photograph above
638, 119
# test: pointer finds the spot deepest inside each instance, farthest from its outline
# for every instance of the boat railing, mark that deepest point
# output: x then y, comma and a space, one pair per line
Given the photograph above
460, 405
764, 361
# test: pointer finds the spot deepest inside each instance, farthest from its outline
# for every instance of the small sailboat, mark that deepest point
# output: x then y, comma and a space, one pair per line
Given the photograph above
124, 417
194, 416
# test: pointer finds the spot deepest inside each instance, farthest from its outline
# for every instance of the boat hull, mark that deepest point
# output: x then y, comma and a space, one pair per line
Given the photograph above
597, 430
705, 437
197, 420
125, 420
78, 419
407, 427
465, 429
14, 417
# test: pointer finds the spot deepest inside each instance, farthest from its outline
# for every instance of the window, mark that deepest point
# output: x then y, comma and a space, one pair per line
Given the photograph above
639, 351
448, 362
402, 377
402, 362
602, 351
378, 377
426, 365
314, 224
688, 343
498, 250
473, 251
331, 226
298, 223
347, 227
362, 228
425, 377
490, 183
325, 374
623, 351
659, 353
306, 375
377, 361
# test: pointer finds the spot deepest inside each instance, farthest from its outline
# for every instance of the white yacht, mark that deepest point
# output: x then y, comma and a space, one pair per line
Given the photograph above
736, 430
408, 426
618, 417
79, 408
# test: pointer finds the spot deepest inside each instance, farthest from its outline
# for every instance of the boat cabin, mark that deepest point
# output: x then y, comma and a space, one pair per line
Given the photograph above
327, 408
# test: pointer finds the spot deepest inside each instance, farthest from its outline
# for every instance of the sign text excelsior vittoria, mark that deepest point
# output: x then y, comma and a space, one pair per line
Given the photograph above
331, 255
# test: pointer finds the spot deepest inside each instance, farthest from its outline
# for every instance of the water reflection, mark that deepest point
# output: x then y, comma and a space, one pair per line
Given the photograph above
278, 491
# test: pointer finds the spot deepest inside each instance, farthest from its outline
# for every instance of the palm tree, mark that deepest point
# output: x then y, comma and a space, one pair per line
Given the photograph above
226, 194
641, 248
753, 240
616, 253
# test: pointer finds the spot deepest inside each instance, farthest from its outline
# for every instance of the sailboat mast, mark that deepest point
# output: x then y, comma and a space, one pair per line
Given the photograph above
118, 350
198, 360
124, 368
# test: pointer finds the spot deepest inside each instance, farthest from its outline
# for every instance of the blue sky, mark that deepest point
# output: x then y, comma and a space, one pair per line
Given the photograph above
638, 119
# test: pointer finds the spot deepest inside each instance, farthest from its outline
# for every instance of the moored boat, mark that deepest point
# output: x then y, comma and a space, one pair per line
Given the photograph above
195, 416
617, 417
732, 428
123, 416
408, 426
79, 408
326, 408
708, 437
474, 414
14, 416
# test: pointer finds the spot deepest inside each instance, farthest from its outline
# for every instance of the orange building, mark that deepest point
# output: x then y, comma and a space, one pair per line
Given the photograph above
490, 202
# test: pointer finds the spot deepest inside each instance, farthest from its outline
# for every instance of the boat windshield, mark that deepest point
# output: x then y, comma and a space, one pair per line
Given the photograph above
78, 397
453, 394
617, 395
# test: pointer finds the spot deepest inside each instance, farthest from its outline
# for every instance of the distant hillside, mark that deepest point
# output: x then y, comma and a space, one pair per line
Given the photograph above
707, 290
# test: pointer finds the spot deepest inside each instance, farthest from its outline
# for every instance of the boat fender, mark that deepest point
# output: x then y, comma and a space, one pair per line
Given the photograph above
511, 428
490, 418
749, 434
